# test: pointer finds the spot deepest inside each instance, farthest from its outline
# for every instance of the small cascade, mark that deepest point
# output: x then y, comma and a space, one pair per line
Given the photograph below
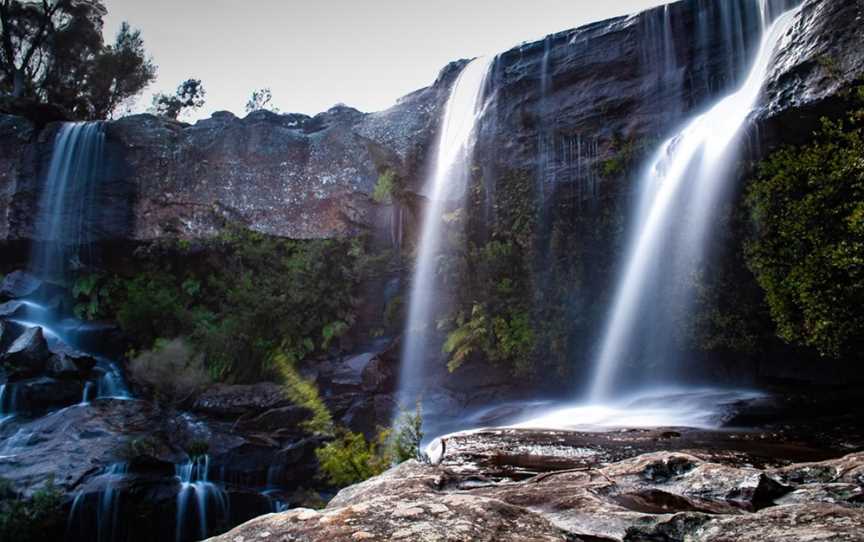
8, 401
543, 136
97, 515
111, 384
680, 191
201, 504
445, 189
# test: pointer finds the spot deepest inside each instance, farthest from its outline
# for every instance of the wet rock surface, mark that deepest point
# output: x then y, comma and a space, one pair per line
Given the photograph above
553, 485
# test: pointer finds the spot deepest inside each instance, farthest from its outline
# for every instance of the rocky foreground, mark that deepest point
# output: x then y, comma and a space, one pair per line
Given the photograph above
628, 485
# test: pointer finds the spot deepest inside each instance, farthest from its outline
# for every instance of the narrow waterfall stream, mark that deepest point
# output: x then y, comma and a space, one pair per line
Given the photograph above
681, 188
445, 189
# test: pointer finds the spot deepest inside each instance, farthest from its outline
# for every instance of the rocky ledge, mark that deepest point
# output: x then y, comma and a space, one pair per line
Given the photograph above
629, 485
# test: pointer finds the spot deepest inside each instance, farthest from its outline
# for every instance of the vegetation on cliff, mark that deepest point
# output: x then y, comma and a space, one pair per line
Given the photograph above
808, 255
237, 299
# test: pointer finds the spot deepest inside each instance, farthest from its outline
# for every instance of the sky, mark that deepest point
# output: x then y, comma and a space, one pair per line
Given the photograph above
314, 54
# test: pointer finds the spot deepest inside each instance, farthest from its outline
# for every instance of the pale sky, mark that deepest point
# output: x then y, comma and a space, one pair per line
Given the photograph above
314, 54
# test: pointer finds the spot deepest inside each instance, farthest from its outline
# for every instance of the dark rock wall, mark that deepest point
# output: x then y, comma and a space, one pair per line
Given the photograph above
558, 107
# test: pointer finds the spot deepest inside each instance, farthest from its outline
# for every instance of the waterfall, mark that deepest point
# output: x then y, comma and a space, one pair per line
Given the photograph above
210, 500
680, 192
99, 512
445, 188
65, 224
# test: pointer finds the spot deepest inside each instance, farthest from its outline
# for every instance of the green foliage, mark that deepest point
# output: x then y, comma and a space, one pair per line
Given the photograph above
261, 99
808, 255
407, 436
53, 51
86, 292
197, 448
37, 519
384, 188
249, 296
131, 449
304, 393
349, 458
189, 95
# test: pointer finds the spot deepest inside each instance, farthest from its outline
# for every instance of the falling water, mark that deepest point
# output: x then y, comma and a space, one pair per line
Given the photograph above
99, 512
680, 190
65, 223
445, 188
210, 500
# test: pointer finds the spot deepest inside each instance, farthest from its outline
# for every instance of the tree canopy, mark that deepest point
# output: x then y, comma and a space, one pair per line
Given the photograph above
53, 51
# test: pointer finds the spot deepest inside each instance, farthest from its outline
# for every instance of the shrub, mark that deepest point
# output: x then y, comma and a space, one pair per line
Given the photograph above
408, 436
808, 254
172, 370
37, 519
304, 393
350, 458
383, 192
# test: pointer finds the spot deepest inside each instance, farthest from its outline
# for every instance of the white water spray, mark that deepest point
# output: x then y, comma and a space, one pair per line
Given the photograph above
444, 188
681, 190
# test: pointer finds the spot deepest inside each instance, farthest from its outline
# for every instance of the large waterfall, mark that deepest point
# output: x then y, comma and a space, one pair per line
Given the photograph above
445, 188
681, 189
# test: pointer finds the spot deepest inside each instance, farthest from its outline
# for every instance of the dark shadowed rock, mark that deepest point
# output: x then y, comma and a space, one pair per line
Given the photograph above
28, 354
225, 400
18, 285
39, 395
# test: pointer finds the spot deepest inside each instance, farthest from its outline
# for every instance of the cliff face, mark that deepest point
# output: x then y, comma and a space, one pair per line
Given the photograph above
561, 108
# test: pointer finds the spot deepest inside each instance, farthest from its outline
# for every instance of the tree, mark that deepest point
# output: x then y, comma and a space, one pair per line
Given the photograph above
121, 71
54, 52
261, 99
190, 95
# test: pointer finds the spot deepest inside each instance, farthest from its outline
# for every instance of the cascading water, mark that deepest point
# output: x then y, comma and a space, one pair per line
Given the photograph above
211, 501
107, 520
680, 189
445, 188
65, 225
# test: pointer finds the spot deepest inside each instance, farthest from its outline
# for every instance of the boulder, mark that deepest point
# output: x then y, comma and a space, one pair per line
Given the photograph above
18, 285
602, 488
28, 355
39, 395
227, 400
68, 360
9, 331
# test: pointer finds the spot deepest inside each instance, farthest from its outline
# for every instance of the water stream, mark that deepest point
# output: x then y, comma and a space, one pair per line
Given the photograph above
445, 190
681, 191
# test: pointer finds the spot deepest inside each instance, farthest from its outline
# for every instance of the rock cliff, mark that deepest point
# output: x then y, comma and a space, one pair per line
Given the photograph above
566, 107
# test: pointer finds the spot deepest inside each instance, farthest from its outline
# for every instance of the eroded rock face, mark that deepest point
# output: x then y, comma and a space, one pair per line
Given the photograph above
558, 108
695, 495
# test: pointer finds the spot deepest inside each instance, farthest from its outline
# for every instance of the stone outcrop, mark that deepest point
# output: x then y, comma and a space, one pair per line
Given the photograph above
559, 108
583, 487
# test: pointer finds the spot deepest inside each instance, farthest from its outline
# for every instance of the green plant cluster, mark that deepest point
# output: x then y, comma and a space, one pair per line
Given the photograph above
237, 299
350, 458
491, 311
807, 203
37, 519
